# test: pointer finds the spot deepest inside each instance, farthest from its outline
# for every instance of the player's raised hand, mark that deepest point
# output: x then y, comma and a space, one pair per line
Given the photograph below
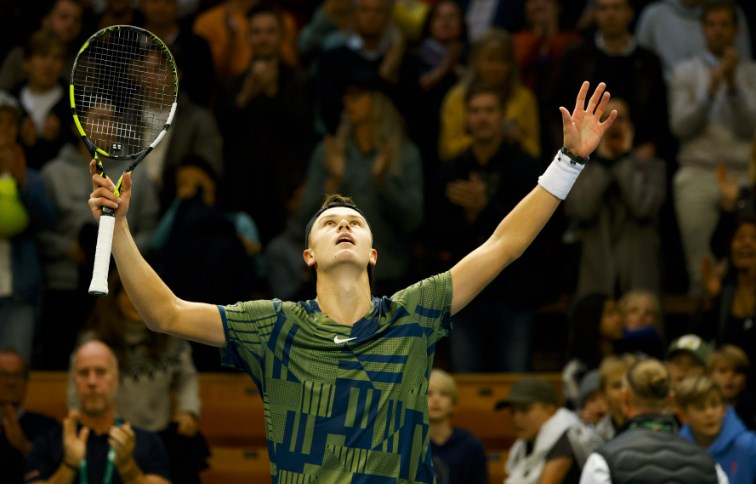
103, 194
583, 129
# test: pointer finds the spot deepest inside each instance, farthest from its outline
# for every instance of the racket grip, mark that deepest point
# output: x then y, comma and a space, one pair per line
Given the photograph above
99, 284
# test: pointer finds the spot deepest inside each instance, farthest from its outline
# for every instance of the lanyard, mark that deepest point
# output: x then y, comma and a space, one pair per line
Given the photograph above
107, 477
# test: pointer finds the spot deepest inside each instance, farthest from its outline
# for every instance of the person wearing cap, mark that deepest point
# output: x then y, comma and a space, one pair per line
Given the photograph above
687, 356
647, 448
539, 425
591, 400
344, 376
25, 208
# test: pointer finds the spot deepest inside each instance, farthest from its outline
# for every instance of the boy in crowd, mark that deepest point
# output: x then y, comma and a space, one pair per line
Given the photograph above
715, 426
540, 453
729, 367
611, 373
686, 356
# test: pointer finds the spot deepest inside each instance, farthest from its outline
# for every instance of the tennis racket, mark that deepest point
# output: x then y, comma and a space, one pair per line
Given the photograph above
123, 92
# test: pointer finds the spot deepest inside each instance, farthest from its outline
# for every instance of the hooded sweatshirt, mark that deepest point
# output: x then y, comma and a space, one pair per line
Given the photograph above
734, 449
524, 468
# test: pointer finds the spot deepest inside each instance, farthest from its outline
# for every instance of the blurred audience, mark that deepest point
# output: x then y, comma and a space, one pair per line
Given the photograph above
611, 380
686, 356
729, 367
643, 332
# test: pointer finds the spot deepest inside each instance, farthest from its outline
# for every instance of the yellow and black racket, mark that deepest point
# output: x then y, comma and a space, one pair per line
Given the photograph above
123, 92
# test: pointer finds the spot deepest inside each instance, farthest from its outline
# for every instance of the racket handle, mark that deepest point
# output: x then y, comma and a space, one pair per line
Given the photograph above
99, 284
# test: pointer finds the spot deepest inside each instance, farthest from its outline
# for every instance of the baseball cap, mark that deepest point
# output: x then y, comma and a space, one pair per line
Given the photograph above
529, 390
692, 344
588, 386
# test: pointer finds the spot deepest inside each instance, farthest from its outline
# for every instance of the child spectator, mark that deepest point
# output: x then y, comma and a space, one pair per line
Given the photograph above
713, 425
643, 325
539, 424
729, 367
611, 375
687, 356
591, 400
457, 454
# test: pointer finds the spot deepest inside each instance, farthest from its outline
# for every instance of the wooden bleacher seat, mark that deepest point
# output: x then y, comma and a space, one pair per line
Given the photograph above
232, 419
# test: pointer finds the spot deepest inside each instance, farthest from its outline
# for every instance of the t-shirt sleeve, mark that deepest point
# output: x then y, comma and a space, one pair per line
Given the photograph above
562, 448
430, 301
247, 326
151, 456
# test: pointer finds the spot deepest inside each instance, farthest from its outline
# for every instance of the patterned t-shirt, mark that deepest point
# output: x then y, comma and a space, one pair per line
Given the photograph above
344, 404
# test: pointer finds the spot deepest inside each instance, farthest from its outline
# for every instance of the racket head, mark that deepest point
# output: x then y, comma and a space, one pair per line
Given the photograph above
123, 92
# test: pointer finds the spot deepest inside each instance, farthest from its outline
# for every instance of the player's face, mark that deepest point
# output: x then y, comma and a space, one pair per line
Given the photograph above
340, 235
96, 377
527, 419
12, 379
265, 36
705, 418
484, 117
440, 401
731, 382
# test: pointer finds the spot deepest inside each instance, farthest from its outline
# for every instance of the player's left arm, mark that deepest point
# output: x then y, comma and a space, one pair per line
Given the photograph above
583, 130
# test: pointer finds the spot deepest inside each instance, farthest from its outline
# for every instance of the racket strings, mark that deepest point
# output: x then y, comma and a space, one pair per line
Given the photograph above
124, 90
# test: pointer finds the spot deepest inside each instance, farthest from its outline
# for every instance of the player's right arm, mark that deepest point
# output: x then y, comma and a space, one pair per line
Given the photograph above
160, 309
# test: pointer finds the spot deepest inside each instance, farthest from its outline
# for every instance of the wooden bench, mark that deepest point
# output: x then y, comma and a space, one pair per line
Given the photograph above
232, 419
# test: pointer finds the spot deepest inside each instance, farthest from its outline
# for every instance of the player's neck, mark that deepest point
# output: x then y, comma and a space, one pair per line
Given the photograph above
99, 423
344, 299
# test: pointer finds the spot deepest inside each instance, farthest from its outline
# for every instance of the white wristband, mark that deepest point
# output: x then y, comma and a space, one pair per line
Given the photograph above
560, 176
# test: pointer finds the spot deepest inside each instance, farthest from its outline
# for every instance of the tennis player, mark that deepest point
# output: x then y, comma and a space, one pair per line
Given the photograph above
344, 377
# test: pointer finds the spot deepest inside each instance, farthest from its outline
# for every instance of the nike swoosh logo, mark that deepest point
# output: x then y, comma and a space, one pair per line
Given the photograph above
338, 340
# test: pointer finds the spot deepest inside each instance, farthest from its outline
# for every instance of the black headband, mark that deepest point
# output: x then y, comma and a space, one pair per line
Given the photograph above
319, 212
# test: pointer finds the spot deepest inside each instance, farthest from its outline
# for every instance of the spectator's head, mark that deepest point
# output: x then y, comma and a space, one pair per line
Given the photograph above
743, 246
646, 389
687, 356
492, 61
96, 376
98, 121
618, 138
14, 374
595, 324
159, 14
195, 177
44, 56
700, 406
640, 309
339, 234
719, 19
728, 367
613, 18
64, 19
533, 401
611, 382
265, 31
591, 400
10, 116
444, 23
485, 113
541, 12
442, 396
371, 17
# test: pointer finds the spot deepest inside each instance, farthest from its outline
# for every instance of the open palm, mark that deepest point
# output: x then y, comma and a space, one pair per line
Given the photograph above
583, 129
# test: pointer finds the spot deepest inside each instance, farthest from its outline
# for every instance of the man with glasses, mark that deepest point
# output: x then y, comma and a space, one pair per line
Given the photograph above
18, 428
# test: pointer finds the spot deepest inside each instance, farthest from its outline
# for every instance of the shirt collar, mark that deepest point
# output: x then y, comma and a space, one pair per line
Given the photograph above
629, 48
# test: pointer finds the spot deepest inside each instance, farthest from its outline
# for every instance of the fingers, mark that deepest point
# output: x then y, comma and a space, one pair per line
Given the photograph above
603, 101
566, 116
84, 434
69, 422
609, 120
580, 101
596, 97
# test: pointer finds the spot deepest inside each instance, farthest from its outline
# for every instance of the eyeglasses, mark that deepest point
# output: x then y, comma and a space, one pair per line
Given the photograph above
17, 375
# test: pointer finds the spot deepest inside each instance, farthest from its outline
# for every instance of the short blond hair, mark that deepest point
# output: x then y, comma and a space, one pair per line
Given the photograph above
696, 390
732, 357
446, 381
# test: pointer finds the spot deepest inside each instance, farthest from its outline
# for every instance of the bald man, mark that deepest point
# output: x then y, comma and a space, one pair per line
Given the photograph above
93, 440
